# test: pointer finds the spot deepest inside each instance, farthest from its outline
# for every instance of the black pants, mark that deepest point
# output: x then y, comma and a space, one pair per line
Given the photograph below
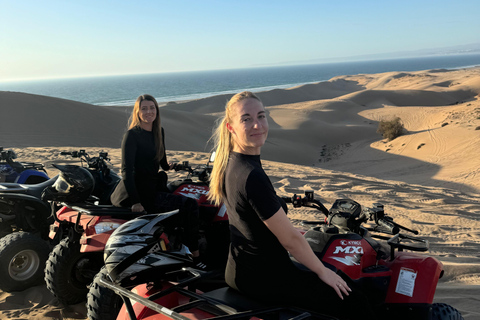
186, 220
294, 287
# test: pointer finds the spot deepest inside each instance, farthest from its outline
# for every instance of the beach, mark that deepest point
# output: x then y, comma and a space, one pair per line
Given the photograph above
323, 138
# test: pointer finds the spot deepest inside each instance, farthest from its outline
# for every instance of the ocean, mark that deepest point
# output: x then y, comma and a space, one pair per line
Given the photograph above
179, 86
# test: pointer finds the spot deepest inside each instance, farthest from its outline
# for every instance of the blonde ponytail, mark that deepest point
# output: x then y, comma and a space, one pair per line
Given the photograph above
223, 146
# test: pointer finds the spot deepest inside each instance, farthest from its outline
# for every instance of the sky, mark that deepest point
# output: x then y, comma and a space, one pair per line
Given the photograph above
58, 39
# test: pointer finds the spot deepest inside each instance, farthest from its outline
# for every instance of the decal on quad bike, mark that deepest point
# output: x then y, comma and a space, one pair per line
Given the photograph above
406, 282
349, 260
6, 170
351, 242
352, 251
192, 191
349, 249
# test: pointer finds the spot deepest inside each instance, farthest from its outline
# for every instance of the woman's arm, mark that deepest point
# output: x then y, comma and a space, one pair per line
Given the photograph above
129, 150
163, 162
294, 242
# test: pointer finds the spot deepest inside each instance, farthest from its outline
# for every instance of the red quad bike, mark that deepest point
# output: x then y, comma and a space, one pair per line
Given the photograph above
26, 213
85, 229
399, 282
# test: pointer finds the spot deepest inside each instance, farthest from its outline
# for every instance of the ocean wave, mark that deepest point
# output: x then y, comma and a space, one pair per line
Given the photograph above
196, 96
184, 86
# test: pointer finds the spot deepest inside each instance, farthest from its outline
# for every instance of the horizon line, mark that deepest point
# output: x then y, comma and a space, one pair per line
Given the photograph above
284, 64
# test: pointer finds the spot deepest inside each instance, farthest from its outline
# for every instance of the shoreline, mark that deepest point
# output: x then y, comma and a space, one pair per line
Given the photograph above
166, 90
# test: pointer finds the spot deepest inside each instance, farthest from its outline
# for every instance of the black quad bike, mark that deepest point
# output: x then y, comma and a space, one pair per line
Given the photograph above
26, 216
21, 184
362, 244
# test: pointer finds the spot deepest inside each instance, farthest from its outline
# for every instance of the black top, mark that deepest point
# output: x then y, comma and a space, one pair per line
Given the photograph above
251, 199
258, 265
139, 168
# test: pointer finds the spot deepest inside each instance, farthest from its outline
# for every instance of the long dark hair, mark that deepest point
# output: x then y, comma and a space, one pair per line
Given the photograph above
135, 121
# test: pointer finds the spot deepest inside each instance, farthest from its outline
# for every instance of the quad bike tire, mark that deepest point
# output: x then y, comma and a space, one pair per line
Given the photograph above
68, 272
442, 311
6, 224
5, 229
102, 303
22, 261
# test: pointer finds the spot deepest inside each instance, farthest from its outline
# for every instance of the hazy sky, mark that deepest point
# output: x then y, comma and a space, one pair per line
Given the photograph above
46, 39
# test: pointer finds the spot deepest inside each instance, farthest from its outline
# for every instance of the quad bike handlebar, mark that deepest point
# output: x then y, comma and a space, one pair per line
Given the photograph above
376, 214
83, 155
6, 155
307, 201
184, 166
201, 172
98, 163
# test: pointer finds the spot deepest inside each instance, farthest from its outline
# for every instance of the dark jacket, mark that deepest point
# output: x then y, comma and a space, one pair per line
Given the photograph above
141, 178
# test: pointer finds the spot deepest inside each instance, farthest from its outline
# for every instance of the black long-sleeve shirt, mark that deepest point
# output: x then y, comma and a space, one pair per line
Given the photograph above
139, 168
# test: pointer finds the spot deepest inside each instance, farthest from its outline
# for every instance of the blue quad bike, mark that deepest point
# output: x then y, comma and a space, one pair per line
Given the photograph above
20, 172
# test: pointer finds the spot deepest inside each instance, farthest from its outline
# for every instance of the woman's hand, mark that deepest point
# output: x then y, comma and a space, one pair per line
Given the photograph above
137, 207
171, 165
294, 242
335, 281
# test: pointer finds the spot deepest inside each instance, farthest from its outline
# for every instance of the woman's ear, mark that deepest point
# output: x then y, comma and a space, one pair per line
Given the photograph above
230, 128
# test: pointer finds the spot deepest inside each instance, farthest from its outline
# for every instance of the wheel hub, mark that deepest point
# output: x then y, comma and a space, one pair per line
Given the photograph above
24, 265
85, 270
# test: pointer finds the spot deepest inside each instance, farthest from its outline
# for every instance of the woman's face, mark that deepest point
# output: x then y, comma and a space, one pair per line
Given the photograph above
147, 112
248, 126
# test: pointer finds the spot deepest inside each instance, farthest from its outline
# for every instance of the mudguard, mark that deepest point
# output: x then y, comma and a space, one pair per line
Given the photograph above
415, 278
30, 174
27, 212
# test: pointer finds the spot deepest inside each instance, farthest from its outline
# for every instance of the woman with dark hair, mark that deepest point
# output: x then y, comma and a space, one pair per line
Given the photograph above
143, 187
261, 234
143, 153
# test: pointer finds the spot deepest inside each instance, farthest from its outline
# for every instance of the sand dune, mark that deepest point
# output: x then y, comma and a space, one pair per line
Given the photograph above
323, 138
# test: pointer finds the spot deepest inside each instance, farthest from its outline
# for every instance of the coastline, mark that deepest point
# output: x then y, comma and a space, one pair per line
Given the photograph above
180, 86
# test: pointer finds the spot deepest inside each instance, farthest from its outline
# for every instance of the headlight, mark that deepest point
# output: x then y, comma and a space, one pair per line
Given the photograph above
102, 227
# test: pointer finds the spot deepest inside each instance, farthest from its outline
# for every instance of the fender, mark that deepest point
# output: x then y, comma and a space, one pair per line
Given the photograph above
27, 212
27, 189
27, 174
17, 197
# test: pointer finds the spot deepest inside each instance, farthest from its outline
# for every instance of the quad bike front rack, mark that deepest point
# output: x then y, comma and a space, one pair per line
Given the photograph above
206, 302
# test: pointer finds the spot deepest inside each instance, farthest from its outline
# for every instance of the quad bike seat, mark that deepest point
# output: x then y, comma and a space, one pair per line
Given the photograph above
242, 303
34, 190
234, 299
104, 210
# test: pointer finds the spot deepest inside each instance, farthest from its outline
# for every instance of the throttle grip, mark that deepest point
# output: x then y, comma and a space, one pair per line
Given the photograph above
390, 227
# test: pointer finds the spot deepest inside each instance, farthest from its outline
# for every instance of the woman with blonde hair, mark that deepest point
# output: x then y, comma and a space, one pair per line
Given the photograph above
261, 234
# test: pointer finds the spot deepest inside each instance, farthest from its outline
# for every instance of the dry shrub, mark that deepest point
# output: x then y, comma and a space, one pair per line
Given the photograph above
391, 129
